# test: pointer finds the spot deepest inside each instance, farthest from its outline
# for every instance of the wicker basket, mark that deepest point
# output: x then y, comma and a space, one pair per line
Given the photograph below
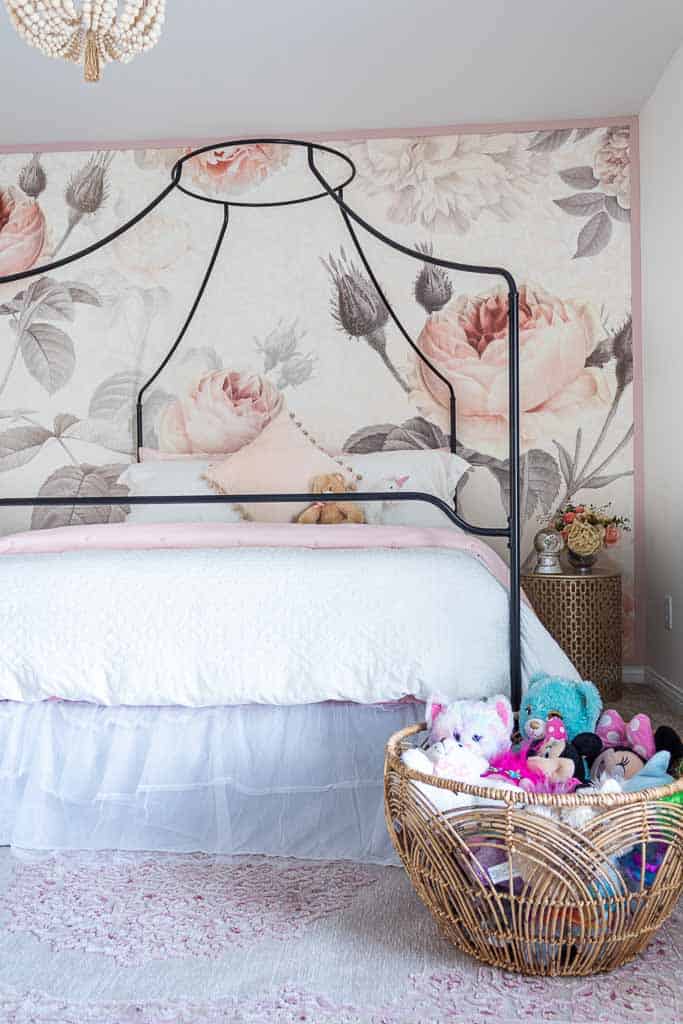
518, 888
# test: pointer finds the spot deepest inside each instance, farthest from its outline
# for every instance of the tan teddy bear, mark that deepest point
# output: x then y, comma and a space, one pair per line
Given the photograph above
331, 511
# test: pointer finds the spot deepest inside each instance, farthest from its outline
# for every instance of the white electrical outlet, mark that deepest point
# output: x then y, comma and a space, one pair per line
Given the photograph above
668, 612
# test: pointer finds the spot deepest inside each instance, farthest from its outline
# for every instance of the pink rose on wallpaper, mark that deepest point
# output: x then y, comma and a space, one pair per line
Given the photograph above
224, 411
22, 231
467, 342
237, 169
612, 165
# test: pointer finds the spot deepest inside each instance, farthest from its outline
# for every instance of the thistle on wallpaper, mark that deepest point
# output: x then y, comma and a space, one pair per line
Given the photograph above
32, 177
433, 288
359, 310
86, 191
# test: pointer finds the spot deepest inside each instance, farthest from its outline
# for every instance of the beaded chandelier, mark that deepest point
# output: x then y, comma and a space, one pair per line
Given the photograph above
93, 32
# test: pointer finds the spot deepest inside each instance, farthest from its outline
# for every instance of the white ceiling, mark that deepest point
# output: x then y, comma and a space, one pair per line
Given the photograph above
225, 68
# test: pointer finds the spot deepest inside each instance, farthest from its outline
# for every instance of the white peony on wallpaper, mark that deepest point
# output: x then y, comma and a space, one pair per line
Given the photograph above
290, 320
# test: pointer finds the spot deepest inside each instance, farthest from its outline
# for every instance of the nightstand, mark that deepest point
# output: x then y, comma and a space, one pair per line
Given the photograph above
584, 615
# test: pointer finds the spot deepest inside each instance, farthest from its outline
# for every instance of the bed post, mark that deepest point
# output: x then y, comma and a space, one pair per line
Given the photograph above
514, 517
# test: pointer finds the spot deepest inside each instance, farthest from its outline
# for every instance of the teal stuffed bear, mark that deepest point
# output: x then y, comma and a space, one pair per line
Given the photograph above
578, 705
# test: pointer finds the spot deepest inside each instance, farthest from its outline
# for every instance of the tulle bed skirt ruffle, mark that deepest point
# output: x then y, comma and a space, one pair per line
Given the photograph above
299, 781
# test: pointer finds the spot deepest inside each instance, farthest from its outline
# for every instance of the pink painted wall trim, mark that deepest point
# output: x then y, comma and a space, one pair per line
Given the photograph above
636, 290
639, 560
351, 134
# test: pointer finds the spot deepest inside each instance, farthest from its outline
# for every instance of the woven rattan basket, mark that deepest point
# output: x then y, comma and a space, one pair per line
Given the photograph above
515, 886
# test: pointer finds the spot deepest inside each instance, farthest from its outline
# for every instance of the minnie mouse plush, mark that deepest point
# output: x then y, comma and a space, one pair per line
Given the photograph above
632, 749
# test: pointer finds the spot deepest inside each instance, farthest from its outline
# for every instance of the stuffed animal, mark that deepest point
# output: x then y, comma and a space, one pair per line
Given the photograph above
577, 704
329, 512
637, 735
536, 774
463, 736
483, 727
376, 511
580, 752
616, 759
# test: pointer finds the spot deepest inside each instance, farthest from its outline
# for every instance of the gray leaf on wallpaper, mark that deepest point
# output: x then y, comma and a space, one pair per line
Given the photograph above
155, 402
583, 133
548, 141
83, 293
368, 439
49, 355
62, 422
605, 481
594, 235
15, 414
114, 395
56, 304
566, 464
540, 482
581, 204
415, 433
616, 211
20, 444
117, 436
47, 298
81, 481
579, 177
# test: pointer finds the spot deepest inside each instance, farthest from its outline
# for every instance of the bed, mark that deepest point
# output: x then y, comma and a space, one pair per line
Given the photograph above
229, 686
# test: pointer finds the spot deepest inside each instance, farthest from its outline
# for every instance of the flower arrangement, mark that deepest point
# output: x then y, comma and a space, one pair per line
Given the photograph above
588, 528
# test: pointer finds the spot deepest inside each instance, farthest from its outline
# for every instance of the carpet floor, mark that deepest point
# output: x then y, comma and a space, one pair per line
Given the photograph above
113, 938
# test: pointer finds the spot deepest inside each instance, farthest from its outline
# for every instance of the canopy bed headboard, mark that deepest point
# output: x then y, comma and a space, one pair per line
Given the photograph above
334, 192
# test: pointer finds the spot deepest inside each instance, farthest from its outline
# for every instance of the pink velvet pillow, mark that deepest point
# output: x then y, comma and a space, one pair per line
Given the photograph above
280, 460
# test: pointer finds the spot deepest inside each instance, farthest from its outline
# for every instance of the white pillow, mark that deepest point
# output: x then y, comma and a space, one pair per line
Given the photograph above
183, 477
434, 471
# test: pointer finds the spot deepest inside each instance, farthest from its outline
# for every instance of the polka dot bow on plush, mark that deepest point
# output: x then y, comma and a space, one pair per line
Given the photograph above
637, 734
555, 730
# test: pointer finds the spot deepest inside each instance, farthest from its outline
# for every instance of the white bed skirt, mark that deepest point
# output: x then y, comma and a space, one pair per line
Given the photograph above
299, 781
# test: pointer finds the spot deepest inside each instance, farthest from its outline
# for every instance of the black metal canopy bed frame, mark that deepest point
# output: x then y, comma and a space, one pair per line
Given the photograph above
351, 219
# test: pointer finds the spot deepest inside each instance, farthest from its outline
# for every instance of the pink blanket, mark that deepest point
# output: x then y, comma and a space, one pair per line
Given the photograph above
122, 536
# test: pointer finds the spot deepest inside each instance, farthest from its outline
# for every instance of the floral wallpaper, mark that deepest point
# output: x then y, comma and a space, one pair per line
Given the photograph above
290, 319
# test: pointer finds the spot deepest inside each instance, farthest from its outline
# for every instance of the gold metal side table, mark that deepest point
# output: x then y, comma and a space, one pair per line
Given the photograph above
584, 615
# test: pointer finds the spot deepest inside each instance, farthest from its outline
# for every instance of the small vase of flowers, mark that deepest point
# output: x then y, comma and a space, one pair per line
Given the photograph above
587, 529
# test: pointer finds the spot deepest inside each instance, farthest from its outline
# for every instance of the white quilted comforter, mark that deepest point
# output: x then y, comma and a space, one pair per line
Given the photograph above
245, 623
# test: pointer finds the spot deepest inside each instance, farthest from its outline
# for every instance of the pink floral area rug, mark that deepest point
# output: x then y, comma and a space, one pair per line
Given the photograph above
160, 939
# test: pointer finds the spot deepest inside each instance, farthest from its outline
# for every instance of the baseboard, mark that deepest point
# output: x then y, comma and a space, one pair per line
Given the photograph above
634, 674
665, 686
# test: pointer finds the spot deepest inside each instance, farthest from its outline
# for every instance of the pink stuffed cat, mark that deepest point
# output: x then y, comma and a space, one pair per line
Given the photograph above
463, 737
483, 727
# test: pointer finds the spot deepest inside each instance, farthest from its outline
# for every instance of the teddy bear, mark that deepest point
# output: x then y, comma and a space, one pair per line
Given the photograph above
578, 704
329, 512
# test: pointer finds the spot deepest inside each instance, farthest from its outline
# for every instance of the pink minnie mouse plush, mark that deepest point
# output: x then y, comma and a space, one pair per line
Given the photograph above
636, 735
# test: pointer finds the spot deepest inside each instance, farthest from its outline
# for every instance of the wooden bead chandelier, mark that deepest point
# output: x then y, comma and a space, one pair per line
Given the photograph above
92, 32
